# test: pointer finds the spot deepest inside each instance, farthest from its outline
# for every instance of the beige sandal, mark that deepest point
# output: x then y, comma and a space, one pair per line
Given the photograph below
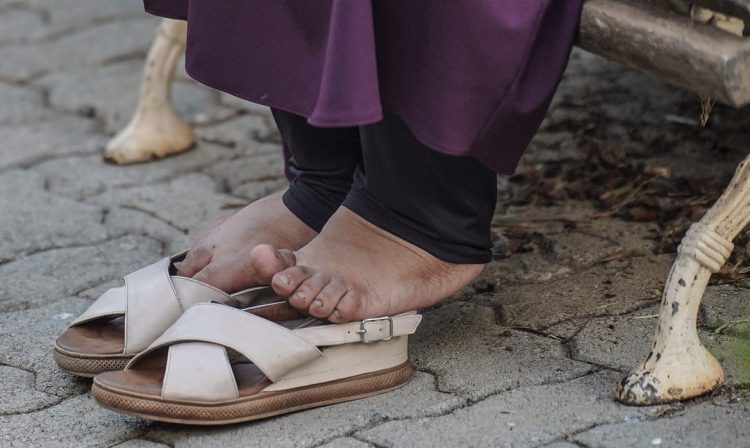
218, 365
126, 320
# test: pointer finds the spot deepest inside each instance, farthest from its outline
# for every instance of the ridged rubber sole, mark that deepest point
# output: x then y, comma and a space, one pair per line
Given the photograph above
88, 367
258, 406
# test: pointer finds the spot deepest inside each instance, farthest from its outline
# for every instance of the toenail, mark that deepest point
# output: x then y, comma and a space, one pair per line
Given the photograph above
337, 314
285, 279
318, 303
301, 296
277, 254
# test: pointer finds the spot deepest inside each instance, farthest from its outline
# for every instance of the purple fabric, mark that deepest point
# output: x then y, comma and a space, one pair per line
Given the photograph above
469, 77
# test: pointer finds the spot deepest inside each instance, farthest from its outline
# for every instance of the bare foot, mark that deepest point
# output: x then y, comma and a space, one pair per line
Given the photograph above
221, 257
354, 270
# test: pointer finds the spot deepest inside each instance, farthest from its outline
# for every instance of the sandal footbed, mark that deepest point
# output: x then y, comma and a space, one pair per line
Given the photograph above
99, 337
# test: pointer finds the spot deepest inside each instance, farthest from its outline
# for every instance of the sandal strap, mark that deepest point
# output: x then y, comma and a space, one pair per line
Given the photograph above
378, 329
198, 367
199, 371
274, 349
151, 300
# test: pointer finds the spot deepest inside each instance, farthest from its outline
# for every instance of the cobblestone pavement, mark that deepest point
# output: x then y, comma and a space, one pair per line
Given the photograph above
535, 345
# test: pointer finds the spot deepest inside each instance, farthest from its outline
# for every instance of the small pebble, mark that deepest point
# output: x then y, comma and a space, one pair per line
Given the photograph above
656, 442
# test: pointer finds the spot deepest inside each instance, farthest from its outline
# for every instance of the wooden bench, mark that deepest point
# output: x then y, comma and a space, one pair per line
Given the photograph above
675, 40
663, 38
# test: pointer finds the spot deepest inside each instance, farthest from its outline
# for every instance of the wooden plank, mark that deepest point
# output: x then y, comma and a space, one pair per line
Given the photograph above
650, 37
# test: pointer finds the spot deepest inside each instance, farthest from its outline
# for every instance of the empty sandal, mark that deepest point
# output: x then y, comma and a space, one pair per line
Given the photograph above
126, 320
218, 365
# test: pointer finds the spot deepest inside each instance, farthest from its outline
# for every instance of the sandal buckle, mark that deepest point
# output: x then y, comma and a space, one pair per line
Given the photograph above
363, 330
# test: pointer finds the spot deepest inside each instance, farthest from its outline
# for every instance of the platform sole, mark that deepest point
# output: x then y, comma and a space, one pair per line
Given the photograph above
255, 407
89, 366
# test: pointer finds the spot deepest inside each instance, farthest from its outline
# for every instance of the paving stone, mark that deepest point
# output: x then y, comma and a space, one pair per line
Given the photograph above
31, 143
16, 23
622, 342
725, 308
19, 395
49, 275
82, 177
345, 442
528, 416
77, 422
121, 221
417, 398
26, 341
639, 238
553, 252
189, 203
699, 426
618, 342
609, 288
261, 167
473, 356
93, 45
242, 133
526, 268
67, 15
33, 220
252, 191
21, 105
140, 443
91, 91
568, 329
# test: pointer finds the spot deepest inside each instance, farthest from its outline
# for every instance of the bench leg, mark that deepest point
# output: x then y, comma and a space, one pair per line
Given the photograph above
155, 130
679, 366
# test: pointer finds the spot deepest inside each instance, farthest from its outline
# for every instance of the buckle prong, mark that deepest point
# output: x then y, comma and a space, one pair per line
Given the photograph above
362, 330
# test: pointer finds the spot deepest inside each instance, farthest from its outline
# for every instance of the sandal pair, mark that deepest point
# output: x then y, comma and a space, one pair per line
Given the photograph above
216, 363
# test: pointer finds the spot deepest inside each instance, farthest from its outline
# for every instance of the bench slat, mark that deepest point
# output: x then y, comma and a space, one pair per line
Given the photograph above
649, 37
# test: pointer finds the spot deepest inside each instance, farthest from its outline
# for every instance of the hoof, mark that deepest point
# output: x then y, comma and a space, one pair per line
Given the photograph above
669, 379
154, 135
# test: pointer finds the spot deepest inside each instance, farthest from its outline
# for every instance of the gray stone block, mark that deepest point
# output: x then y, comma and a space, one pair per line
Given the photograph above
66, 15
19, 395
91, 46
310, 428
529, 416
189, 203
34, 142
471, 355
26, 341
622, 342
76, 422
346, 442
726, 309
21, 105
252, 191
16, 23
618, 342
611, 288
32, 219
51, 275
704, 425
140, 443
243, 133
91, 92
260, 167
81, 177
